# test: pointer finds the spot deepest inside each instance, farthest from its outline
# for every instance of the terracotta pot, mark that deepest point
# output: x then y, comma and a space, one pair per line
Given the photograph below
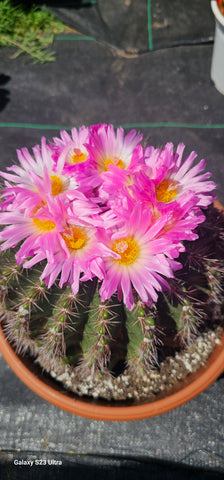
54, 393
46, 388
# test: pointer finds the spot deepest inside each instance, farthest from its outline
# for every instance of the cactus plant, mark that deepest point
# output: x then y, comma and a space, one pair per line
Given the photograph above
107, 252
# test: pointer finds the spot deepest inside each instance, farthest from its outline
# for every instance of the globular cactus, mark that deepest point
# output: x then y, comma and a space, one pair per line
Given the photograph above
111, 253
54, 325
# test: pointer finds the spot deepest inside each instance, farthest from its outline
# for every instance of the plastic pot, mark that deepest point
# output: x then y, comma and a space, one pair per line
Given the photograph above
217, 66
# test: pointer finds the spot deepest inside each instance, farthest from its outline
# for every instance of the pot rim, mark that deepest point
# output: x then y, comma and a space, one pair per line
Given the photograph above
193, 385
218, 15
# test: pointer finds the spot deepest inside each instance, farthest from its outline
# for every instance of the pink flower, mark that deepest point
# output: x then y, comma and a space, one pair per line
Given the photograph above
184, 219
70, 152
124, 181
80, 257
173, 178
45, 228
184, 213
40, 233
142, 263
108, 147
33, 180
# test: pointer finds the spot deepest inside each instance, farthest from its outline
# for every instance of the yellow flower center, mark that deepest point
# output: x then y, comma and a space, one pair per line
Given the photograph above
128, 250
44, 225
166, 190
56, 185
115, 160
78, 156
75, 238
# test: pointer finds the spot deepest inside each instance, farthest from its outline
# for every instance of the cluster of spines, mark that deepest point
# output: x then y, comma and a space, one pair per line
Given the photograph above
144, 335
97, 340
215, 274
102, 342
9, 275
188, 317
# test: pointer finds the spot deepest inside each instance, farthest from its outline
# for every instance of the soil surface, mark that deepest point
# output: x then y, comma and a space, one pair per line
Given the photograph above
137, 385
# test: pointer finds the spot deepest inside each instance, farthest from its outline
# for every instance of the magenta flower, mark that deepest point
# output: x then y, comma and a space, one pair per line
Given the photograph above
79, 255
81, 258
43, 230
70, 151
34, 179
40, 234
108, 147
173, 178
142, 263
